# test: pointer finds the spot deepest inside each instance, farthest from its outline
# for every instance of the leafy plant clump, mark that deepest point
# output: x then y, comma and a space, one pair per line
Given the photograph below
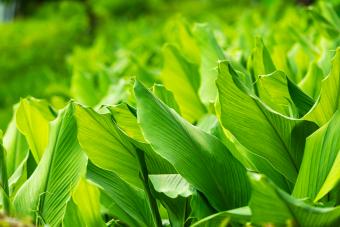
220, 135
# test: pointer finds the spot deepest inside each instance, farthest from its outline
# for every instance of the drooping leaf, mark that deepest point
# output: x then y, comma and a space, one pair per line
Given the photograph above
45, 194
320, 157
188, 149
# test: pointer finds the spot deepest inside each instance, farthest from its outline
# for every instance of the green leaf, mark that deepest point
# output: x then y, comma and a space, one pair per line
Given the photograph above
329, 100
182, 79
131, 200
271, 206
86, 196
251, 121
188, 148
211, 54
320, 157
32, 118
106, 146
46, 192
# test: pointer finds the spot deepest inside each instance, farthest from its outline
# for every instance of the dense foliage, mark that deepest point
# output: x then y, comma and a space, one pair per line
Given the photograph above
231, 123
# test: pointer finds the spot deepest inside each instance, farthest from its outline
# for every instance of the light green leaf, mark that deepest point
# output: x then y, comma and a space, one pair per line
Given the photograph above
211, 53
182, 79
271, 206
251, 121
86, 196
329, 100
188, 148
320, 157
32, 119
106, 146
45, 194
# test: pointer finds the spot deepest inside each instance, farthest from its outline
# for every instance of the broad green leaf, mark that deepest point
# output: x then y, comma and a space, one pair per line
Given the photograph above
32, 119
311, 83
131, 200
46, 192
251, 121
126, 120
211, 54
182, 79
329, 100
320, 156
188, 148
221, 219
271, 206
105, 145
86, 196
250, 160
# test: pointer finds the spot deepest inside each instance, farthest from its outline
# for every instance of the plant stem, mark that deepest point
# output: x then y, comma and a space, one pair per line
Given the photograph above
147, 186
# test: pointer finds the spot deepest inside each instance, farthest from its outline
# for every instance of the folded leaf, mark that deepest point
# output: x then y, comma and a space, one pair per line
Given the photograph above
189, 149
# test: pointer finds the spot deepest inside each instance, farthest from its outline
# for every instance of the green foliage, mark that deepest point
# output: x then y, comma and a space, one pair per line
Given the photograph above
175, 123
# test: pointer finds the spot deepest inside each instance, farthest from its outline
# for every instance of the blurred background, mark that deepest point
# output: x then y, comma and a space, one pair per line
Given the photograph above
61, 50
